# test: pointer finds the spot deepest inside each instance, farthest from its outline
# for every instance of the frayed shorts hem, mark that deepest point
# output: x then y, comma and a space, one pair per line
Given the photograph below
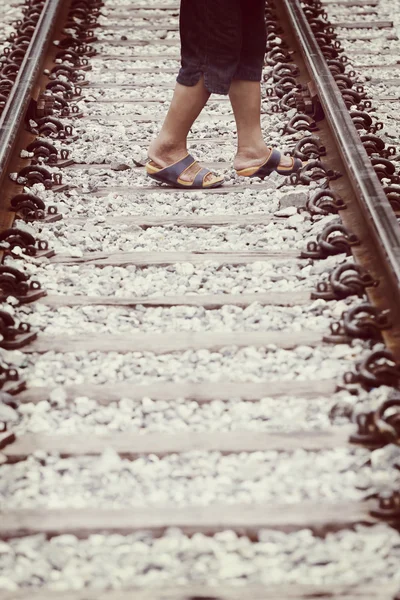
213, 86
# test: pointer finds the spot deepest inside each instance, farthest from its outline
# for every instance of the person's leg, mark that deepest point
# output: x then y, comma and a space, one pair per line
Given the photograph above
245, 90
171, 143
245, 97
210, 33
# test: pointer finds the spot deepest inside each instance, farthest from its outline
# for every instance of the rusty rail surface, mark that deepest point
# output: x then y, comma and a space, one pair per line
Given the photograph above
22, 92
373, 204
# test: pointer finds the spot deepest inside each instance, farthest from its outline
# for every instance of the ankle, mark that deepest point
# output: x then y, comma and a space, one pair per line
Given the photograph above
250, 156
167, 150
169, 143
252, 151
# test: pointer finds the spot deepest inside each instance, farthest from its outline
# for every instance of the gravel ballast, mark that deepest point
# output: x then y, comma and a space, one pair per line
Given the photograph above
231, 363
159, 203
365, 555
82, 414
182, 278
147, 415
200, 478
102, 319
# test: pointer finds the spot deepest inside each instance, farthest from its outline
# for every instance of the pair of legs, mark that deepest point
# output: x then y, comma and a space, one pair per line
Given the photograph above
222, 51
188, 102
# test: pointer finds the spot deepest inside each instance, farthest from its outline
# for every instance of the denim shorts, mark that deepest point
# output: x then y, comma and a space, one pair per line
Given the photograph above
221, 40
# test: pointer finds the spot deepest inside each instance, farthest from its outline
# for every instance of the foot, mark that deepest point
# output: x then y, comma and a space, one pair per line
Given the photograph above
256, 156
164, 155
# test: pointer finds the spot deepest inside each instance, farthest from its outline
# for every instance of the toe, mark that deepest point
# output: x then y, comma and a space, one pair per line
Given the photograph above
209, 177
190, 173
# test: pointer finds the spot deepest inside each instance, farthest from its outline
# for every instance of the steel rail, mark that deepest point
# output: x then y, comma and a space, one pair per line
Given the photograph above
379, 215
21, 93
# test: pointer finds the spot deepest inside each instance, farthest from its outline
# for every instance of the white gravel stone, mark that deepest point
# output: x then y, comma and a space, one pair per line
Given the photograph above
365, 555
181, 415
104, 319
84, 415
160, 203
66, 239
200, 478
209, 278
245, 364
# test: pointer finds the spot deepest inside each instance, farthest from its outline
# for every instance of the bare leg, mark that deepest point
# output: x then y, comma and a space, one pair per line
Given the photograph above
245, 97
171, 143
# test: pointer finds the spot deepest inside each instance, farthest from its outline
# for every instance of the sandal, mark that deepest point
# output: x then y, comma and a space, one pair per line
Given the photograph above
172, 175
271, 164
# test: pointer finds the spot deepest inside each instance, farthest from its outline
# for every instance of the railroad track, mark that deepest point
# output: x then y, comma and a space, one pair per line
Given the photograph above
199, 389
